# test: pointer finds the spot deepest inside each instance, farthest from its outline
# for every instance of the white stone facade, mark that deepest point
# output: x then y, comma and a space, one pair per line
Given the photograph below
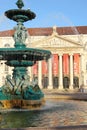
57, 44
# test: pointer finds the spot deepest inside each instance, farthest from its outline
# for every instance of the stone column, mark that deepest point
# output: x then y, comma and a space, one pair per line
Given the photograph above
30, 73
60, 72
71, 71
50, 74
82, 66
40, 74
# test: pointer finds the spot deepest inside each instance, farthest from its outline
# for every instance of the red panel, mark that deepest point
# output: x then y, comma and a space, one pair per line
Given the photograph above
44, 67
55, 65
76, 64
66, 64
35, 68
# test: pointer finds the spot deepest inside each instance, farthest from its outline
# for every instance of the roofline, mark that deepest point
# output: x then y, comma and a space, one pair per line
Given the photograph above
46, 31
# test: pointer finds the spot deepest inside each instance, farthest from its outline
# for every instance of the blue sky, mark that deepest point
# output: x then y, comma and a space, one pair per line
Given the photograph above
48, 13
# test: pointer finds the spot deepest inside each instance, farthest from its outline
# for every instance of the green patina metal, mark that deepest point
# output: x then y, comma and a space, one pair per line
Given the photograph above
18, 86
20, 4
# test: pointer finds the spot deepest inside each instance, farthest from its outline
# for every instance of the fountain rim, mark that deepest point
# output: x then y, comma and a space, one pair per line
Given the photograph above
40, 54
24, 49
15, 14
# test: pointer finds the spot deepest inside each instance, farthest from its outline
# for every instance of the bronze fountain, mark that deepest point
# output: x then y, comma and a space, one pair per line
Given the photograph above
18, 91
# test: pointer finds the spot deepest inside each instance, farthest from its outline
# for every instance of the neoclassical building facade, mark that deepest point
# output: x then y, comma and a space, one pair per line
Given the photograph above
67, 67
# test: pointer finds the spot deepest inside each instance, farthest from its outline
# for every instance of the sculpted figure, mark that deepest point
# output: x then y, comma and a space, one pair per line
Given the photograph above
20, 34
25, 81
9, 84
17, 79
34, 82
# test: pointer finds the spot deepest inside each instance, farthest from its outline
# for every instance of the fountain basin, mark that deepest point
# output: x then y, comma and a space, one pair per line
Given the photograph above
20, 15
22, 104
52, 115
30, 54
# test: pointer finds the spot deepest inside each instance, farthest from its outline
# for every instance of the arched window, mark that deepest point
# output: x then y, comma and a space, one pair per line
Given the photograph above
7, 45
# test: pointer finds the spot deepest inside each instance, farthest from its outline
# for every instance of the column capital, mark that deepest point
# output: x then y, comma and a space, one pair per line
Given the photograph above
82, 54
71, 54
60, 54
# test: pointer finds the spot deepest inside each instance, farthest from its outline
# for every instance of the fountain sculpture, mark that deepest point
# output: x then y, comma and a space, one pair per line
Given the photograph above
17, 90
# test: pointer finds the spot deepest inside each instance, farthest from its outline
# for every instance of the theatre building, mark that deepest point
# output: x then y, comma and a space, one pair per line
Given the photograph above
67, 67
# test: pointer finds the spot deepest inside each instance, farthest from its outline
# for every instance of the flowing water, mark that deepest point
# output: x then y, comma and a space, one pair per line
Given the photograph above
52, 114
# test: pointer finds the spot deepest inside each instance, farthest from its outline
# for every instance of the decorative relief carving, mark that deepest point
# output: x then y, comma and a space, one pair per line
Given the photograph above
56, 42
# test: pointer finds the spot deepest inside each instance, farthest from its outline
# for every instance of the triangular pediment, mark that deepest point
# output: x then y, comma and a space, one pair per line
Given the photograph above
56, 41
